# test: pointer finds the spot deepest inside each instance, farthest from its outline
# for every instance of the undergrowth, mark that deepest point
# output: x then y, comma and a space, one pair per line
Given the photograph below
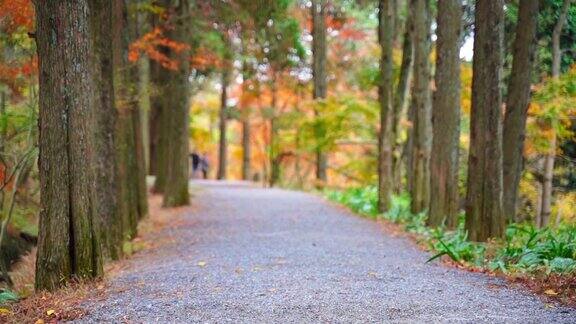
525, 249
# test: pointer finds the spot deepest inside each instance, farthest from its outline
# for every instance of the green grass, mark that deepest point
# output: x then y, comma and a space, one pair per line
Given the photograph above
525, 248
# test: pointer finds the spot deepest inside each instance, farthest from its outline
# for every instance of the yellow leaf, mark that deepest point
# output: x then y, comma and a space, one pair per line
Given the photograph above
550, 292
50, 312
39, 321
4, 311
202, 264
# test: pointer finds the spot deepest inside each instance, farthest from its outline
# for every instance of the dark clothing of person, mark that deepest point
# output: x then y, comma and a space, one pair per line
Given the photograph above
204, 166
195, 161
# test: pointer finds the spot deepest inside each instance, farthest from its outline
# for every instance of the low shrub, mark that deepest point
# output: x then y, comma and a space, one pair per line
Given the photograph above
525, 248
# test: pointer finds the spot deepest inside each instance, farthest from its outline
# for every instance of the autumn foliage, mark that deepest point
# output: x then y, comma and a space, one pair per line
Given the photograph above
15, 14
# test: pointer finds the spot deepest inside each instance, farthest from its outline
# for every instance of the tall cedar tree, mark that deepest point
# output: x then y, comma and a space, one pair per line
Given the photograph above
105, 145
517, 103
484, 216
319, 50
131, 194
68, 242
550, 157
137, 113
175, 124
446, 117
422, 109
385, 138
159, 108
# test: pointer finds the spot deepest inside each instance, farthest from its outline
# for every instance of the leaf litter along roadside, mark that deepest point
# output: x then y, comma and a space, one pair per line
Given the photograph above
66, 303
504, 258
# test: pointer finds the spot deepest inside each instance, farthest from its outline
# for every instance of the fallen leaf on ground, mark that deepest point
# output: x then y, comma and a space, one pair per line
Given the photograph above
50, 312
550, 292
39, 321
201, 263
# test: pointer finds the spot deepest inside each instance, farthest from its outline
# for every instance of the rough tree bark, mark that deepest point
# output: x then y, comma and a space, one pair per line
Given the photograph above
125, 145
446, 117
223, 143
158, 78
158, 157
484, 216
319, 51
401, 98
105, 145
422, 108
68, 240
176, 122
385, 97
517, 103
550, 157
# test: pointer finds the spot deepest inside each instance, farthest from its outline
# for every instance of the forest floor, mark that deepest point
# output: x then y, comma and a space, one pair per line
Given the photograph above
247, 254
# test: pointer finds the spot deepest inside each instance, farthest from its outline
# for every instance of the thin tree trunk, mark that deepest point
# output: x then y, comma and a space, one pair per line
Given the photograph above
385, 139
518, 100
222, 149
401, 98
319, 51
177, 93
446, 117
484, 216
68, 240
143, 25
105, 146
274, 160
246, 172
421, 101
547, 185
3, 127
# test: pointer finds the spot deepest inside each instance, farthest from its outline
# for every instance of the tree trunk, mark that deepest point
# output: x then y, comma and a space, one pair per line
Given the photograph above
222, 149
246, 172
401, 98
158, 80
132, 187
385, 139
105, 147
137, 114
319, 51
517, 103
3, 136
422, 106
547, 186
446, 117
484, 216
274, 160
177, 95
158, 141
68, 240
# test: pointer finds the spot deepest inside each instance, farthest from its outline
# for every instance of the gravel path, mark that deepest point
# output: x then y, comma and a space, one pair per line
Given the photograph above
245, 254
